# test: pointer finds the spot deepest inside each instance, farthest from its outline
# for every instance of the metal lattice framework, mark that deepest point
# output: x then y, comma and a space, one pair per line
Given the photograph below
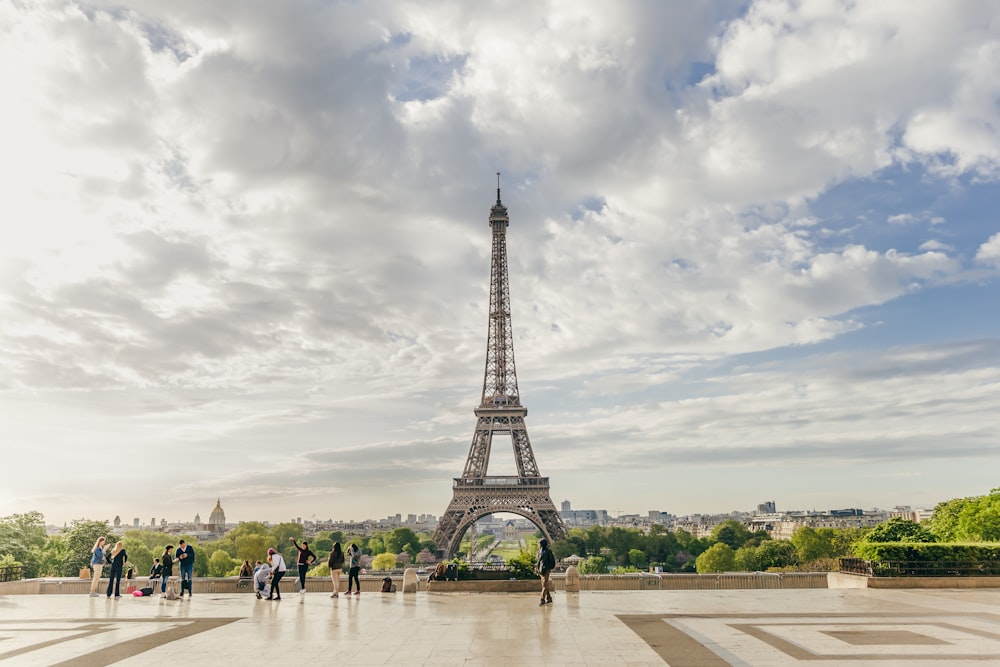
500, 411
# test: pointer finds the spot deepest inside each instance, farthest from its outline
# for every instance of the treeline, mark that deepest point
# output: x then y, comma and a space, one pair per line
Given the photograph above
733, 548
24, 542
975, 519
730, 547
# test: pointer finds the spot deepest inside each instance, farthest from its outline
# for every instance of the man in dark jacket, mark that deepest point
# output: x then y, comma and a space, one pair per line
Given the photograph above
185, 561
544, 566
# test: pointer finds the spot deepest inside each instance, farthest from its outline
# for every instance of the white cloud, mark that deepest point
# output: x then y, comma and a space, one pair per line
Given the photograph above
989, 252
244, 228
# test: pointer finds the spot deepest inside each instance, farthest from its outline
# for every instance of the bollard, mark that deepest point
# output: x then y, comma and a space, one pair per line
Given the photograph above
410, 580
572, 579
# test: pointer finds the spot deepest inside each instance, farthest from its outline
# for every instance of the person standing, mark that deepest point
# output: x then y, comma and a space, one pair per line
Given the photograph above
544, 566
117, 558
166, 567
278, 569
305, 558
97, 561
336, 563
185, 562
354, 567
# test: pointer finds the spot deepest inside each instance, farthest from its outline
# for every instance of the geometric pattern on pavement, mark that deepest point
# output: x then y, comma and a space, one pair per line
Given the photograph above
846, 639
93, 641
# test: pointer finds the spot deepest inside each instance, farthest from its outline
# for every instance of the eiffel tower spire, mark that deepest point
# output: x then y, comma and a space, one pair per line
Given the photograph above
500, 411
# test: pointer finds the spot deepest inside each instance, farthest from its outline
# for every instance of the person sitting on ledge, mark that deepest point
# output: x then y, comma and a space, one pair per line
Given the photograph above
438, 573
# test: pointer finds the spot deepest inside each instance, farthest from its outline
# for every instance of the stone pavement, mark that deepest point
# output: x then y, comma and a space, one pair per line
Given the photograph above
679, 628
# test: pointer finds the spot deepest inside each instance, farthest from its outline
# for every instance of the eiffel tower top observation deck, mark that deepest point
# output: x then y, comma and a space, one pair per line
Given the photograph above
477, 494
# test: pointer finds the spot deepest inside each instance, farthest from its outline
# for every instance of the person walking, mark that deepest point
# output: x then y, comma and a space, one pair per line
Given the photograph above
544, 566
278, 569
166, 567
117, 559
354, 567
305, 558
185, 562
336, 563
97, 560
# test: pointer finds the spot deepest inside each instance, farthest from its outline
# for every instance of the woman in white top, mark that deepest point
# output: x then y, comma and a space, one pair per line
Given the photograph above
278, 569
97, 561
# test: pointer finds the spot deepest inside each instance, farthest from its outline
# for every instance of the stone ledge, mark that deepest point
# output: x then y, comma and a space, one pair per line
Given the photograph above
841, 580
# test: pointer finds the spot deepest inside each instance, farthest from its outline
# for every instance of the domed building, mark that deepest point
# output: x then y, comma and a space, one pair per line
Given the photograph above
217, 519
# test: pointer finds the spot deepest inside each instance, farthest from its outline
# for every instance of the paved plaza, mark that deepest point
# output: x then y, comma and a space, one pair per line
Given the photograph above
679, 628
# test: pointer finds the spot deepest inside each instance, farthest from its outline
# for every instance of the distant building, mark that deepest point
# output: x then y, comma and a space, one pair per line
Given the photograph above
217, 519
584, 517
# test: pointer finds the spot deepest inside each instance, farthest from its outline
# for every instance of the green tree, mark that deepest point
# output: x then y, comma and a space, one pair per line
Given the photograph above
717, 558
23, 537
400, 538
637, 559
745, 560
220, 564
139, 555
594, 565
776, 554
251, 547
732, 533
79, 539
522, 566
811, 544
384, 561
898, 529
376, 545
52, 556
944, 522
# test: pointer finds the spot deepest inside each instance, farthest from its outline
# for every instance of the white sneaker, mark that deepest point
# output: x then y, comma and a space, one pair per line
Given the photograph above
95, 595
302, 591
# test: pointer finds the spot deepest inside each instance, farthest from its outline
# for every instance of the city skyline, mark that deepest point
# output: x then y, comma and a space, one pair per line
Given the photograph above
753, 246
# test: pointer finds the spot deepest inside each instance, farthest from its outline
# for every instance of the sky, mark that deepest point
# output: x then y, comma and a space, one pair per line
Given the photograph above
754, 252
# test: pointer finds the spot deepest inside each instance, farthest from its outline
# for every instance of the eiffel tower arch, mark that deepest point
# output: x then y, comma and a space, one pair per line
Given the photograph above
476, 494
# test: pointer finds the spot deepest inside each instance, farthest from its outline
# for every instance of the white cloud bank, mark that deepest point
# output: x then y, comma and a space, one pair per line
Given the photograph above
244, 232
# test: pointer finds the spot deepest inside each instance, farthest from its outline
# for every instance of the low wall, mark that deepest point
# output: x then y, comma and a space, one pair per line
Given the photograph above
640, 581
484, 586
69, 586
841, 580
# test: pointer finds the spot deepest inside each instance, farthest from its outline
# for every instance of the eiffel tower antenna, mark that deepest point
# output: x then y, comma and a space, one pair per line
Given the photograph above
476, 494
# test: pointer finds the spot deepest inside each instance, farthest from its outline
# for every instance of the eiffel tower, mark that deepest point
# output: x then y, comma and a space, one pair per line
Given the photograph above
477, 494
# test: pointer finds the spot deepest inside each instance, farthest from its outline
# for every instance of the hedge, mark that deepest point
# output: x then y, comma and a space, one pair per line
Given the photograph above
928, 552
